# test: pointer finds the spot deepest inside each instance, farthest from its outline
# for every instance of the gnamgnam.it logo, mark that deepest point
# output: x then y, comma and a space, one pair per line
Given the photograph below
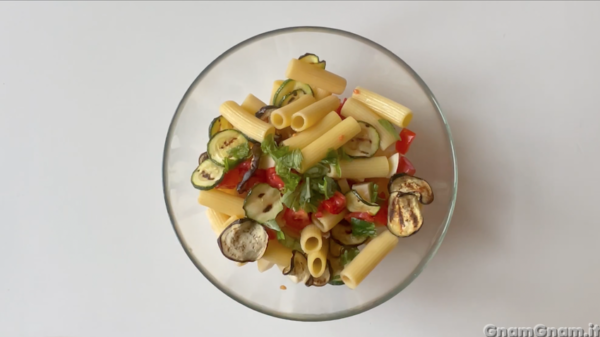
541, 330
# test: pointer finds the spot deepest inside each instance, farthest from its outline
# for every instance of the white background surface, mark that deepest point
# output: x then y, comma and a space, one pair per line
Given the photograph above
87, 91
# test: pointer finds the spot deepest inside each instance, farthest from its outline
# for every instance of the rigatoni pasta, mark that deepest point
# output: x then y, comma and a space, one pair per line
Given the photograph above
315, 77
356, 109
252, 104
394, 112
282, 117
368, 259
306, 137
317, 260
321, 93
222, 202
310, 239
302, 182
245, 122
312, 114
373, 167
332, 139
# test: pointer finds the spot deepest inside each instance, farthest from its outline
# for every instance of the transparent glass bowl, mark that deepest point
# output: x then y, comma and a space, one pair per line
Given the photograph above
251, 67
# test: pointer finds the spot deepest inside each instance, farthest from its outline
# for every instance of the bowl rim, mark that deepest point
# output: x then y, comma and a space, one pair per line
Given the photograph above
344, 313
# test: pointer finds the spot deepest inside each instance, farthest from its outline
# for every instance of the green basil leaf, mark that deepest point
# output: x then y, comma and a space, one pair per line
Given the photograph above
362, 228
348, 255
389, 128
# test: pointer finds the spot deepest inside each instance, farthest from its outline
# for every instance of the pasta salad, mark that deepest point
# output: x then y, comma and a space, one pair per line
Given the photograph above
317, 186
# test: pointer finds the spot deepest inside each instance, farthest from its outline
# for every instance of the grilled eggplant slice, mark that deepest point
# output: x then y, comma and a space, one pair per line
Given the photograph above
364, 144
342, 234
336, 270
404, 183
297, 271
263, 203
256, 154
265, 112
321, 280
207, 175
335, 249
404, 214
243, 241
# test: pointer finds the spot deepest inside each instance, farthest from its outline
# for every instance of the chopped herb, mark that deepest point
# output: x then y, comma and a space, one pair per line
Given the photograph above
317, 171
374, 194
343, 155
290, 242
241, 151
328, 186
285, 160
228, 164
280, 235
390, 128
336, 281
273, 225
361, 228
332, 158
348, 255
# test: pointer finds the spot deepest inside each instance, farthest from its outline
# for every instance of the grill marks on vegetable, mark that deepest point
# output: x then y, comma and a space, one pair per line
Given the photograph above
365, 144
263, 203
404, 213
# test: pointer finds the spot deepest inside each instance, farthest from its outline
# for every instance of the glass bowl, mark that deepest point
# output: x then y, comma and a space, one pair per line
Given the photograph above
251, 67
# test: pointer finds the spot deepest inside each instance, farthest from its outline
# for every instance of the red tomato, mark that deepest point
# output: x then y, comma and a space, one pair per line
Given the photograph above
296, 220
333, 205
234, 176
260, 176
318, 214
339, 109
273, 179
381, 216
405, 166
360, 215
406, 138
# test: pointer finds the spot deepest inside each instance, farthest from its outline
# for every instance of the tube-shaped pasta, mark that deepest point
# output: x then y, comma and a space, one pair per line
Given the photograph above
252, 104
282, 117
311, 239
315, 76
240, 264
326, 222
373, 253
276, 86
312, 114
218, 228
306, 137
216, 219
344, 186
332, 139
278, 254
394, 112
317, 261
356, 109
374, 167
264, 265
245, 122
320, 93
222, 202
